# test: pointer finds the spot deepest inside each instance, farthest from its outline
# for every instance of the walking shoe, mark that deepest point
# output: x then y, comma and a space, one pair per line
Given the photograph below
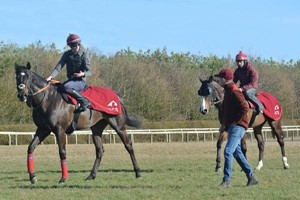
252, 181
225, 184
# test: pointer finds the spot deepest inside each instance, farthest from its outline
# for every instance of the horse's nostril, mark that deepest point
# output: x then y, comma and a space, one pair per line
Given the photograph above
21, 86
204, 111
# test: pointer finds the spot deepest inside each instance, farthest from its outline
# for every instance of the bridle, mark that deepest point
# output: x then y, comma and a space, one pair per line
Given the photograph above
210, 92
210, 96
214, 99
23, 86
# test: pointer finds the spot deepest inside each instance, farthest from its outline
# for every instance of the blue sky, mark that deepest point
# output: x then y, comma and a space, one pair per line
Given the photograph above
262, 28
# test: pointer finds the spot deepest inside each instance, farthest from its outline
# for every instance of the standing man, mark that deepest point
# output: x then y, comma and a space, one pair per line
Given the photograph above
236, 123
248, 77
78, 67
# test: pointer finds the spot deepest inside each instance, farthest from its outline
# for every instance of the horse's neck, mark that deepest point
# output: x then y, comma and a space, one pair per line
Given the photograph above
47, 98
219, 99
219, 90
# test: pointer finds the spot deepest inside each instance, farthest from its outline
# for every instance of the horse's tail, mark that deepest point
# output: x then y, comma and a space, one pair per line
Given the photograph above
130, 121
133, 122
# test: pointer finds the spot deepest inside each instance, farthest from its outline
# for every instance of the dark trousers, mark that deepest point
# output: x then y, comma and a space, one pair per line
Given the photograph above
251, 95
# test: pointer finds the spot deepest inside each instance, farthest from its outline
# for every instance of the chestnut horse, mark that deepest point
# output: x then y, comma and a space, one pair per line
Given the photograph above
51, 113
212, 94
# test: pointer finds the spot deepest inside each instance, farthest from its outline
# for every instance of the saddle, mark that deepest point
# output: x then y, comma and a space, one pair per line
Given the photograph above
272, 108
102, 99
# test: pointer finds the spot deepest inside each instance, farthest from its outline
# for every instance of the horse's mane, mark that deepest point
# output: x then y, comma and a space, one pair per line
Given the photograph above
38, 77
219, 89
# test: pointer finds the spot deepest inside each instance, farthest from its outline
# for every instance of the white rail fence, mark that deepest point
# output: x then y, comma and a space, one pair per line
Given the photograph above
184, 134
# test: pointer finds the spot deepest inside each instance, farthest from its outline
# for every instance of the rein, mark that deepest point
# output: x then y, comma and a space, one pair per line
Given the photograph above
44, 88
217, 102
41, 90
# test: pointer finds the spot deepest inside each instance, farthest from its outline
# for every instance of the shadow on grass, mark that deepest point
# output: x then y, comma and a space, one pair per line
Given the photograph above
15, 178
84, 186
77, 171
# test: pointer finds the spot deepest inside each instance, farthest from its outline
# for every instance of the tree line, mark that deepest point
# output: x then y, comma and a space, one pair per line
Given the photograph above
156, 86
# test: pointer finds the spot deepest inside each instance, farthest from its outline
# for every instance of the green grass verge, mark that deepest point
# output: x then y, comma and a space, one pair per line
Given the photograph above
169, 171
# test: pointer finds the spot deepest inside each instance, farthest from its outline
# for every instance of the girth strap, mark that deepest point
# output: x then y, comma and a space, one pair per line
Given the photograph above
254, 113
73, 126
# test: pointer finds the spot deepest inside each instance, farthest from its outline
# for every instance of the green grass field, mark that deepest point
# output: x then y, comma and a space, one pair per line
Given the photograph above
169, 171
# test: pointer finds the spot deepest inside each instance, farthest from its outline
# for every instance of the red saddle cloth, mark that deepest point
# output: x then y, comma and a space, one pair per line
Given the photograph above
272, 108
102, 99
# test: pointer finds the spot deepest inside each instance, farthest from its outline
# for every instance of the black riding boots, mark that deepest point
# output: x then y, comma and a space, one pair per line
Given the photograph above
82, 101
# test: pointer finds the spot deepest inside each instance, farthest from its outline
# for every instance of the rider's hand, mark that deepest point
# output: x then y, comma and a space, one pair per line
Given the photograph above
49, 78
78, 75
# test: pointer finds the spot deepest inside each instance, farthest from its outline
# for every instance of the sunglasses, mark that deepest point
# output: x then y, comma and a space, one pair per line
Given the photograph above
239, 61
75, 44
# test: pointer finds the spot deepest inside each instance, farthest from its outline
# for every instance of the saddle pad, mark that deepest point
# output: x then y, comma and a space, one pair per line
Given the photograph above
272, 107
102, 99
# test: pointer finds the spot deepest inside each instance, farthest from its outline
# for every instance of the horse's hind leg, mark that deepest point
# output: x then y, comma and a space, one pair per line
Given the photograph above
222, 137
97, 130
277, 130
119, 127
39, 136
244, 146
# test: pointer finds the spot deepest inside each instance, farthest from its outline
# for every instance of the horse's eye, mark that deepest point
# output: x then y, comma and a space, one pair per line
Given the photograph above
209, 91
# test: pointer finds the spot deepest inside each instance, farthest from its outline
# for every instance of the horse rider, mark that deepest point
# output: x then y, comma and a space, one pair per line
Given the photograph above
248, 77
235, 122
78, 67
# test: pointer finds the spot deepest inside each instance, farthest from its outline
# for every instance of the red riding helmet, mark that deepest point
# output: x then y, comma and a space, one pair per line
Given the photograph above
241, 56
73, 38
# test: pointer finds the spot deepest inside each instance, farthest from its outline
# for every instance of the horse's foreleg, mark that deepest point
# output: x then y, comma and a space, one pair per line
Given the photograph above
37, 139
222, 137
61, 141
99, 153
261, 146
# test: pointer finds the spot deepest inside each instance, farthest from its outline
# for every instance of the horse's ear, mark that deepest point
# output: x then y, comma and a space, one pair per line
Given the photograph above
211, 78
28, 65
200, 79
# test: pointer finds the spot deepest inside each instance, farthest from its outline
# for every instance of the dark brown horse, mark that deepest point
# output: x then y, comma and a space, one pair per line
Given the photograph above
51, 113
212, 94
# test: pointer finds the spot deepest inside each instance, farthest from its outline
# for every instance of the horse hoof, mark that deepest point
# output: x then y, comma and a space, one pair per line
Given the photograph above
138, 176
218, 170
62, 180
90, 177
33, 180
286, 167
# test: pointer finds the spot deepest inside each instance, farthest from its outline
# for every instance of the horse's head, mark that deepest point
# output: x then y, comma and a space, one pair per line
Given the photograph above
27, 81
22, 79
209, 94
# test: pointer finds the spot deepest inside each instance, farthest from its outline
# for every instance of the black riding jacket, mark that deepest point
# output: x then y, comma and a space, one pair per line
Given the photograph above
75, 62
